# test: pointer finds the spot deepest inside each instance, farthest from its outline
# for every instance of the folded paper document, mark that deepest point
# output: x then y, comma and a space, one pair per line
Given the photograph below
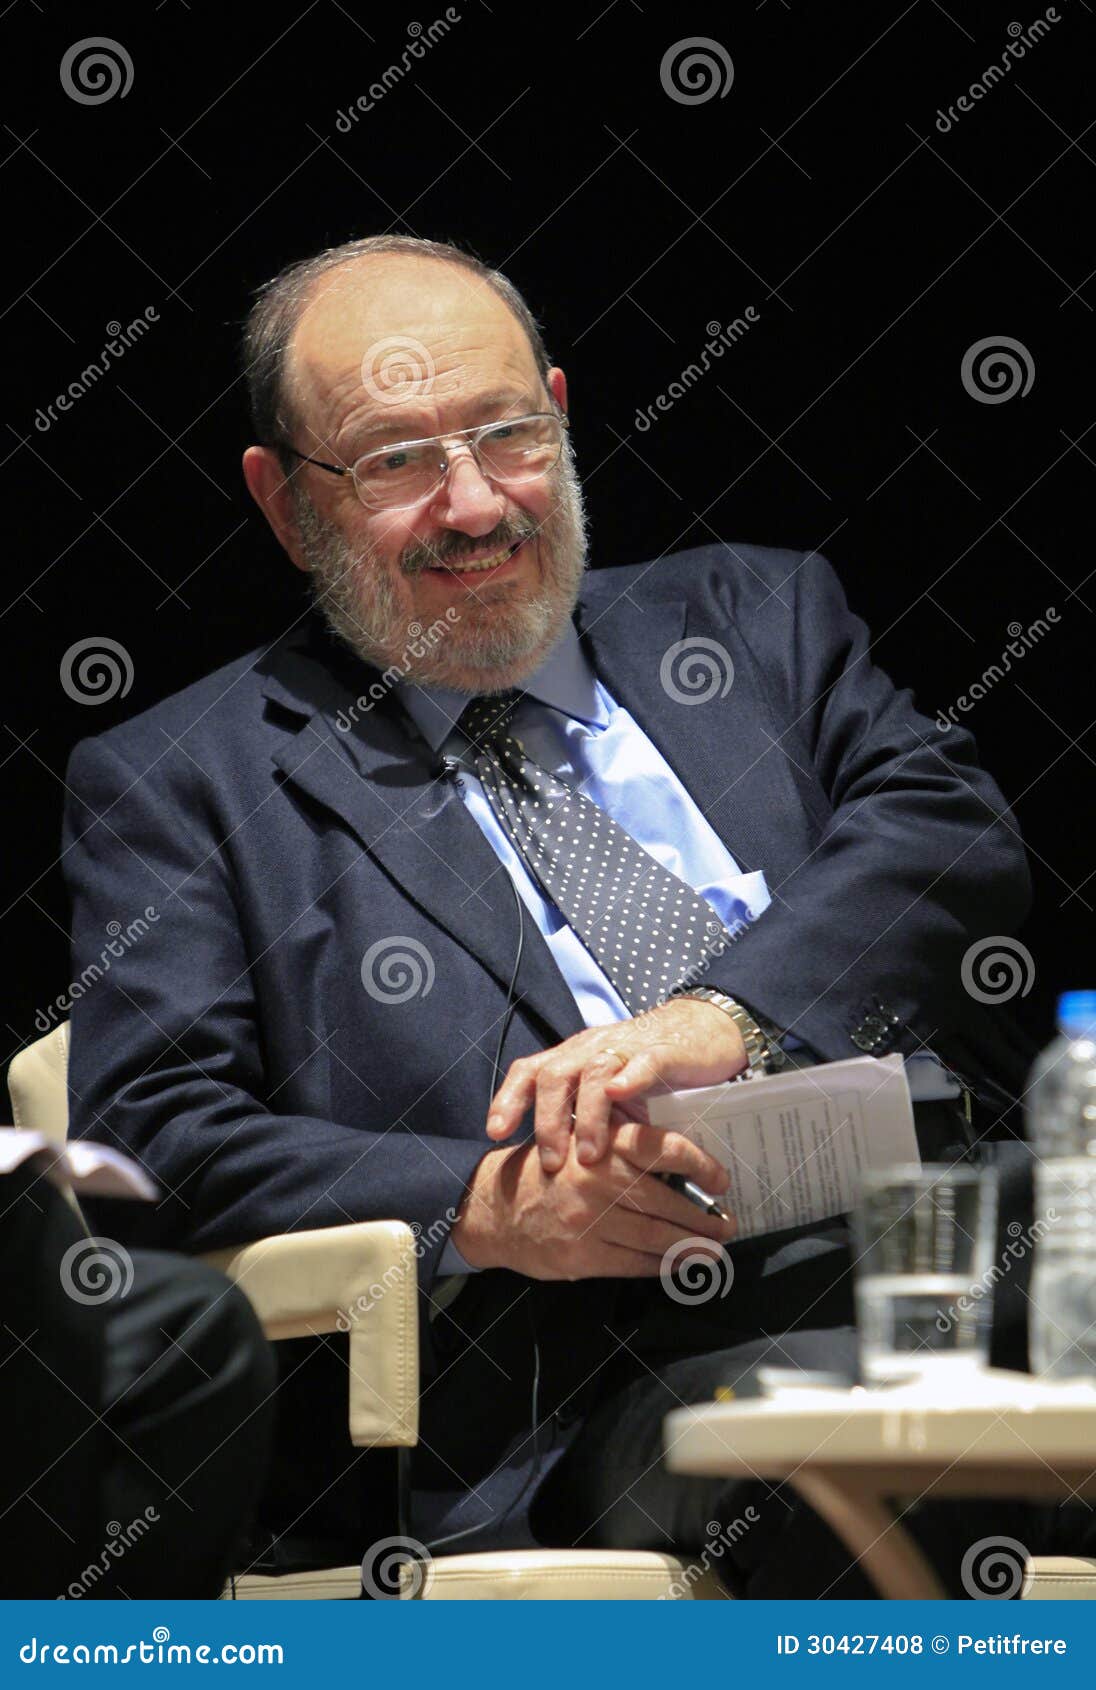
795, 1142
92, 1170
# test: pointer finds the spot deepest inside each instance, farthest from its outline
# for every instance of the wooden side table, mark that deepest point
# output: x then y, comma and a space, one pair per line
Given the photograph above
846, 1452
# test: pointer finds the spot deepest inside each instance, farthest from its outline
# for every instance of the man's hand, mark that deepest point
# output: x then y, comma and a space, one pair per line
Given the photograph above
679, 1044
615, 1220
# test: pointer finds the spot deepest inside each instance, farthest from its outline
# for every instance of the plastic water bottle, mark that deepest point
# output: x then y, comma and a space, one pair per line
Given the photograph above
1061, 1114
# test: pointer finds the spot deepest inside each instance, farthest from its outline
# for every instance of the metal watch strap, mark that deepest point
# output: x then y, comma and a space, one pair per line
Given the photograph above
763, 1052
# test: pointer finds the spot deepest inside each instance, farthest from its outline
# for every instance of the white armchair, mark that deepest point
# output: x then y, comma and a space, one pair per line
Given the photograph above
308, 1283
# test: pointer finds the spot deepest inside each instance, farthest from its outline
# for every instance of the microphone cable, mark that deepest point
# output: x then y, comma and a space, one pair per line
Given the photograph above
449, 768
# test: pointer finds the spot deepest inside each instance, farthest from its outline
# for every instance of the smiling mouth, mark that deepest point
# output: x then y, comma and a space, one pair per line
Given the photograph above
478, 565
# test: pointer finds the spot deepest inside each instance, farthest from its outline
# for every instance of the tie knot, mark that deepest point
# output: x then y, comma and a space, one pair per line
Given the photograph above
488, 716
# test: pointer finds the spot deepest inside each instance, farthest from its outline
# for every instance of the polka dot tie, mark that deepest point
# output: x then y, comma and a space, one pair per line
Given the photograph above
645, 928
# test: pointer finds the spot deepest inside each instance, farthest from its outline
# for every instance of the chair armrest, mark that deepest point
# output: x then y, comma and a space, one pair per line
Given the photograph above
359, 1279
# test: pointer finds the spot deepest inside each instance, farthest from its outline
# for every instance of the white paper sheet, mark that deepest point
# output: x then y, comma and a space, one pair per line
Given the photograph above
92, 1170
795, 1142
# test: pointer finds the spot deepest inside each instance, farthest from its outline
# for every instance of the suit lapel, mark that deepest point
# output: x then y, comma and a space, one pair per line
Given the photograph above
724, 751
359, 762
354, 756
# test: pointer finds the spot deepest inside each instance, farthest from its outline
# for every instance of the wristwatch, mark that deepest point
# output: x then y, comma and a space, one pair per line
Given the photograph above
761, 1038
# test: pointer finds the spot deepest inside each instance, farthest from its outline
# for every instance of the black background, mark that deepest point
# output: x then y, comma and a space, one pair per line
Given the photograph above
820, 190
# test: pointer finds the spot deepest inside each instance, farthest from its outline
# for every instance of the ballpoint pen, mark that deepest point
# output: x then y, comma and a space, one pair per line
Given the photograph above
695, 1195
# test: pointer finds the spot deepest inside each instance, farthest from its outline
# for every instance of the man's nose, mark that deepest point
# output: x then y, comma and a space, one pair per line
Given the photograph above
466, 499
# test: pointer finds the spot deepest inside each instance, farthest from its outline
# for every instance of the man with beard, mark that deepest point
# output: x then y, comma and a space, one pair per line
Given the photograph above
394, 868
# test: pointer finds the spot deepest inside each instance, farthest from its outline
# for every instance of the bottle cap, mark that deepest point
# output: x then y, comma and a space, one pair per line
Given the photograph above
1077, 1014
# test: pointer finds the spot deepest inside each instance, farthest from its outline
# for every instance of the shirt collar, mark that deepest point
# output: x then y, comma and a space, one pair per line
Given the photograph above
564, 681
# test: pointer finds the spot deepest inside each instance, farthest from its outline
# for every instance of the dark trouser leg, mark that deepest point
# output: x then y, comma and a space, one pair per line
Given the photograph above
613, 1490
51, 1365
790, 1305
135, 1427
189, 1408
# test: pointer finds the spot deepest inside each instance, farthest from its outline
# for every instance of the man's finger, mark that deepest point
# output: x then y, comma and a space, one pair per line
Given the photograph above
642, 1073
656, 1237
552, 1116
652, 1196
593, 1108
656, 1151
516, 1093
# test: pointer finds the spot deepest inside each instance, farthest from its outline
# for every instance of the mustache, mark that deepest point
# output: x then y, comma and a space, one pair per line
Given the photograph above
418, 558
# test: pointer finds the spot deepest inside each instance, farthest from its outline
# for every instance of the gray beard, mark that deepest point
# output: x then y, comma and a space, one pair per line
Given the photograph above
494, 636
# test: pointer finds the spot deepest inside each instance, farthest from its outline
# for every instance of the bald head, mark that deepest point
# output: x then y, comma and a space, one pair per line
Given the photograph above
384, 345
359, 358
278, 306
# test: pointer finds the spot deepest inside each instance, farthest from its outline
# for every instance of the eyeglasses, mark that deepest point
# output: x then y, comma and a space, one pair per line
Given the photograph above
513, 449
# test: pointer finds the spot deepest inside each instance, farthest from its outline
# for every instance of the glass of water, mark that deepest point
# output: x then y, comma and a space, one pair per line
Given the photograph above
923, 1281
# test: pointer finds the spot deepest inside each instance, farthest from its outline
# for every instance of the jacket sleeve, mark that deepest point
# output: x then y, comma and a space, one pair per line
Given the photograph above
920, 855
166, 1054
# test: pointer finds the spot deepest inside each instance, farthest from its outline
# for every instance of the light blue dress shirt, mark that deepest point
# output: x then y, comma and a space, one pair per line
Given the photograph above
570, 724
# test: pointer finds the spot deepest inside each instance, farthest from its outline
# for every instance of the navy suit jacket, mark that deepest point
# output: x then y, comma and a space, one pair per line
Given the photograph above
233, 1047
